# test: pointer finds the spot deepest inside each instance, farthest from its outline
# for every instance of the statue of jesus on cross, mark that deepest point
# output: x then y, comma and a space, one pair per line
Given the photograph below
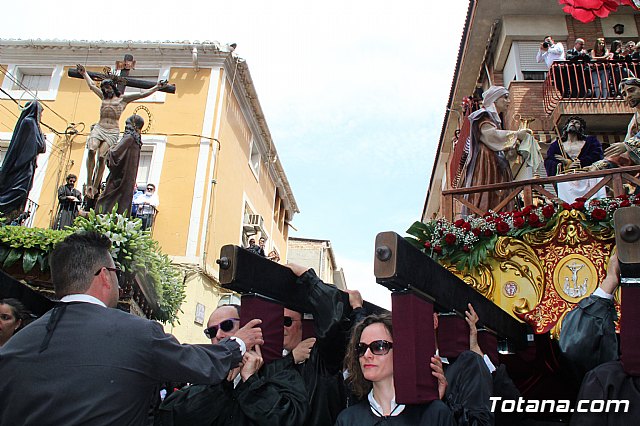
105, 133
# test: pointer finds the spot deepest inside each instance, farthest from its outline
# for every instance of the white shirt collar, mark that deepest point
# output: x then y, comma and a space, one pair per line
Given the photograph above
82, 298
377, 408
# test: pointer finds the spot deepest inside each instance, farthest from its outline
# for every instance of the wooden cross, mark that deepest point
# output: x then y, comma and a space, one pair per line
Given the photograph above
122, 80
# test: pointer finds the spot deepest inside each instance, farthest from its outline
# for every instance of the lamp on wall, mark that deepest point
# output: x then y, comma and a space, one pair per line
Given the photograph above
618, 29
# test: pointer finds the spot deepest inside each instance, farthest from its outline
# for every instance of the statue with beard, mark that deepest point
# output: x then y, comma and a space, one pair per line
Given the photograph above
625, 153
122, 159
105, 133
573, 153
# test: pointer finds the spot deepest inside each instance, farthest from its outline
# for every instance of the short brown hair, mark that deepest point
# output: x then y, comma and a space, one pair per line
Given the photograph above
359, 385
75, 260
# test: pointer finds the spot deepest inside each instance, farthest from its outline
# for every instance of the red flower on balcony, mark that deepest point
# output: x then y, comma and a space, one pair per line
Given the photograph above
450, 239
518, 222
502, 228
588, 10
548, 210
598, 214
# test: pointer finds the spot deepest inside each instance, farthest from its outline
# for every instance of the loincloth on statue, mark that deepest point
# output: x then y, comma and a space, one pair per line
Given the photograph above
110, 136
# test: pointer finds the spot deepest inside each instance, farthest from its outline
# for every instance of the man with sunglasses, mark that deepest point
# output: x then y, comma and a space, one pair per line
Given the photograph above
84, 363
253, 394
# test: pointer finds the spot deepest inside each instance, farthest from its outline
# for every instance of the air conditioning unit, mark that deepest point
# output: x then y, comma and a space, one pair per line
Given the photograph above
253, 223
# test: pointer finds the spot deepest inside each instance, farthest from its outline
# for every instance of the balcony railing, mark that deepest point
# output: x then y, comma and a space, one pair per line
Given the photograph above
524, 190
586, 81
26, 217
147, 213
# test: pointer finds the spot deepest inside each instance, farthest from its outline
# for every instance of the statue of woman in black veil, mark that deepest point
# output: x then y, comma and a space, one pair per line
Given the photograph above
19, 166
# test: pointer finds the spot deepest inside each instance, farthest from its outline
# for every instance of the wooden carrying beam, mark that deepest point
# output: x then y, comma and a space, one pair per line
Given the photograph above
245, 272
400, 266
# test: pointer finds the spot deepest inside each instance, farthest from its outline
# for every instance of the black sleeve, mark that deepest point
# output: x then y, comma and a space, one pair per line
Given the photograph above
274, 398
331, 326
194, 405
588, 335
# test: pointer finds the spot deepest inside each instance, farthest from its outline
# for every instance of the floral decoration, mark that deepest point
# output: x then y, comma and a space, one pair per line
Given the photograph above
468, 242
588, 10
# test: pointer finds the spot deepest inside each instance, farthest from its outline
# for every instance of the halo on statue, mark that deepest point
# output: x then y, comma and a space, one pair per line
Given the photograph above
149, 119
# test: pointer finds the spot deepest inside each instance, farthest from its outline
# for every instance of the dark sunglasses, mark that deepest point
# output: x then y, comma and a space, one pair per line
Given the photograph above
377, 347
119, 272
226, 326
288, 321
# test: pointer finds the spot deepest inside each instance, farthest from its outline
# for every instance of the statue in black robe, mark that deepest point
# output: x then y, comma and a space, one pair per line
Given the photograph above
19, 166
122, 160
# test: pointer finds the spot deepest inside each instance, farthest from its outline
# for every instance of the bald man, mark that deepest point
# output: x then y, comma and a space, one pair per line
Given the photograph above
253, 394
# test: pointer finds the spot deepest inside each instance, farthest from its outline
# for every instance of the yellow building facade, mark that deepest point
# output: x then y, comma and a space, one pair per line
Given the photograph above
208, 150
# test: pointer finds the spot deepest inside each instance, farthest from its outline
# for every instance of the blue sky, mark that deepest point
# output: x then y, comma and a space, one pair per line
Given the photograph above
354, 93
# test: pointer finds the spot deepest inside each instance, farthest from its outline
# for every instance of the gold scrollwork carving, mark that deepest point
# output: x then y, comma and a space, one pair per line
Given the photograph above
518, 257
482, 279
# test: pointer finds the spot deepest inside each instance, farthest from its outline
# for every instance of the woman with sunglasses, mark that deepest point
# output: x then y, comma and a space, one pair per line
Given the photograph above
369, 362
12, 315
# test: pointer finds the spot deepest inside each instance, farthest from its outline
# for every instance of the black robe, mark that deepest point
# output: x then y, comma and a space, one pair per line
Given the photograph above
122, 160
19, 166
267, 398
436, 413
68, 210
322, 372
609, 382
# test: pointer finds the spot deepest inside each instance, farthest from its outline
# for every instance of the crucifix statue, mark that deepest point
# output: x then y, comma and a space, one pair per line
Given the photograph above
105, 133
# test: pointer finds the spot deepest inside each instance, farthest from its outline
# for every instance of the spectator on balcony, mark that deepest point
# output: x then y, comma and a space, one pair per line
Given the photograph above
579, 73
487, 161
574, 151
259, 249
146, 205
619, 70
599, 71
69, 198
550, 51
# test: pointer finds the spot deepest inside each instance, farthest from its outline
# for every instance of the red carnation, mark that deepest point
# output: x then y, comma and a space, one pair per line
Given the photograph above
636, 201
427, 245
527, 210
598, 214
487, 232
518, 214
450, 239
595, 202
625, 203
518, 222
533, 219
581, 200
466, 226
548, 211
578, 205
566, 206
623, 197
437, 249
502, 228
466, 249
476, 232
458, 223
